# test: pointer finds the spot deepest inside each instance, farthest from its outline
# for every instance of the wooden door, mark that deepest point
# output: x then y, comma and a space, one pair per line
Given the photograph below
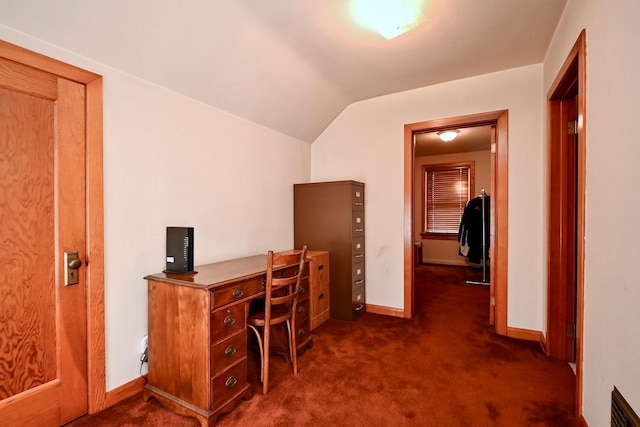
43, 337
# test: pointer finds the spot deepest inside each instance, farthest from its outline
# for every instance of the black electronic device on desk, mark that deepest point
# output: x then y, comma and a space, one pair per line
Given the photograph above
179, 250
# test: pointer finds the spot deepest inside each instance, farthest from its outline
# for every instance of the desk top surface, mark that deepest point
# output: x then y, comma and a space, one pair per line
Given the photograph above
218, 273
208, 276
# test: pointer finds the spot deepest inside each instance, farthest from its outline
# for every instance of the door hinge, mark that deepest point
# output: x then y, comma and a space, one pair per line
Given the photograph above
572, 127
492, 301
493, 148
571, 330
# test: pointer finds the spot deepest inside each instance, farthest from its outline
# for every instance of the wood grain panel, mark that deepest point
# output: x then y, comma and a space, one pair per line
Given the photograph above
178, 319
27, 292
21, 78
71, 237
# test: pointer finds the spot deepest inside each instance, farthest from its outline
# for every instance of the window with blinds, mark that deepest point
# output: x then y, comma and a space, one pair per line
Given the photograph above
447, 189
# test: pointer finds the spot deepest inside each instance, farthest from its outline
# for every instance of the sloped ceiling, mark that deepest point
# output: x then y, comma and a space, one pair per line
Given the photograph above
290, 65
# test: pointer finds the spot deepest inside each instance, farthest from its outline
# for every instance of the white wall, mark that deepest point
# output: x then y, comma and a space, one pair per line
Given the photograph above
366, 143
612, 294
169, 160
441, 251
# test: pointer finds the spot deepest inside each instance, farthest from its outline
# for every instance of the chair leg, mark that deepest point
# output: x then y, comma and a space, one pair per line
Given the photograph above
265, 358
293, 351
260, 346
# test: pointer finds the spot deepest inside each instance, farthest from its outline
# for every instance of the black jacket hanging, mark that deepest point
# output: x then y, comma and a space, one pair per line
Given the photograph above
470, 232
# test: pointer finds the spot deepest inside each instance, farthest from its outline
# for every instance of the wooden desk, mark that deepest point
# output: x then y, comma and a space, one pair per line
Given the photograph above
198, 335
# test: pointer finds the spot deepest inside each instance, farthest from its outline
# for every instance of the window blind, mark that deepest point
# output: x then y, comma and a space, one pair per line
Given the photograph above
446, 195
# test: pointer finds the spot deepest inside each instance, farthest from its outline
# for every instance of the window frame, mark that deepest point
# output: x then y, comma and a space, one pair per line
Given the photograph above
426, 168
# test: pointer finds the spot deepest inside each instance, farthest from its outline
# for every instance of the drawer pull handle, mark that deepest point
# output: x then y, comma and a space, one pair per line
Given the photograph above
264, 283
359, 307
300, 310
231, 382
358, 203
301, 332
230, 351
229, 321
359, 281
358, 230
302, 290
358, 255
238, 293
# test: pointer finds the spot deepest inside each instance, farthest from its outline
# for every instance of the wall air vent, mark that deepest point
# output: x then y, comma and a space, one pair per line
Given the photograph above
622, 415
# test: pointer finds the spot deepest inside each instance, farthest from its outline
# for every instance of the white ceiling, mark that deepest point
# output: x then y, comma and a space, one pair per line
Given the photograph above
476, 138
290, 65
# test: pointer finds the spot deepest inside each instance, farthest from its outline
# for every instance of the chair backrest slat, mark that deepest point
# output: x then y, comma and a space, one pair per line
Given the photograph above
284, 277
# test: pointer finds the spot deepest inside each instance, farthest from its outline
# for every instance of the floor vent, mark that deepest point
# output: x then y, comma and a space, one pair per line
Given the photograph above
621, 413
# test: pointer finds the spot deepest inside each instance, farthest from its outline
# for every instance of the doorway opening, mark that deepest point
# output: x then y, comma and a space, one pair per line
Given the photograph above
498, 188
566, 105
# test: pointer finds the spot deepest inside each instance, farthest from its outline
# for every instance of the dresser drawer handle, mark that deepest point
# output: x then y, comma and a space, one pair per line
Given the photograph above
301, 332
300, 310
230, 351
229, 321
263, 283
238, 293
359, 281
358, 255
358, 230
231, 382
302, 290
358, 203
359, 307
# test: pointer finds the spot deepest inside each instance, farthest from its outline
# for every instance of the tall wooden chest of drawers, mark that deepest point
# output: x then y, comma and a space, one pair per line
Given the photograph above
330, 216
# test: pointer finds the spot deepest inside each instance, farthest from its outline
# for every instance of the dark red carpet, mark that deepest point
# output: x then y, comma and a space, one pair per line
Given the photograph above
444, 367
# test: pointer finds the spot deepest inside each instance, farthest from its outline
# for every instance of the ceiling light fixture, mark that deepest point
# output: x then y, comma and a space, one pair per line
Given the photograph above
390, 18
448, 135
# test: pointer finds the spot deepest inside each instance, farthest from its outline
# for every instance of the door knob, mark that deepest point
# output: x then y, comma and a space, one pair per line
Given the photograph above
71, 265
75, 264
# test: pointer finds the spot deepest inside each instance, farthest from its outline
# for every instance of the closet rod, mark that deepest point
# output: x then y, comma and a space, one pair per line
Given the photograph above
484, 282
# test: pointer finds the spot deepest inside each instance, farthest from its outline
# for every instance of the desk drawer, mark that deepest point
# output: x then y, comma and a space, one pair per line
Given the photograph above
302, 310
302, 333
228, 352
228, 383
236, 292
227, 321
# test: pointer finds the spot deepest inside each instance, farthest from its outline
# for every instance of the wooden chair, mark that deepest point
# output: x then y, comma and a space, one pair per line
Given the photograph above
281, 298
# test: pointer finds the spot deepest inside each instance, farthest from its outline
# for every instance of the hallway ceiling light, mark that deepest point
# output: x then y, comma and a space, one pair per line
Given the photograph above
448, 135
390, 18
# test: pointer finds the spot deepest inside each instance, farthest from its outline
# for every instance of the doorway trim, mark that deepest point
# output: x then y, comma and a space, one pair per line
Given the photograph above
499, 182
570, 77
96, 377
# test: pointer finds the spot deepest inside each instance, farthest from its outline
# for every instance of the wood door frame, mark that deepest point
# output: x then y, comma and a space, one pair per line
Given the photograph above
95, 211
571, 77
499, 181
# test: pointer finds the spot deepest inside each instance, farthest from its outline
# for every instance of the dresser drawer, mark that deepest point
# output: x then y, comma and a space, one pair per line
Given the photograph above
357, 223
227, 321
227, 384
227, 352
236, 292
357, 275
